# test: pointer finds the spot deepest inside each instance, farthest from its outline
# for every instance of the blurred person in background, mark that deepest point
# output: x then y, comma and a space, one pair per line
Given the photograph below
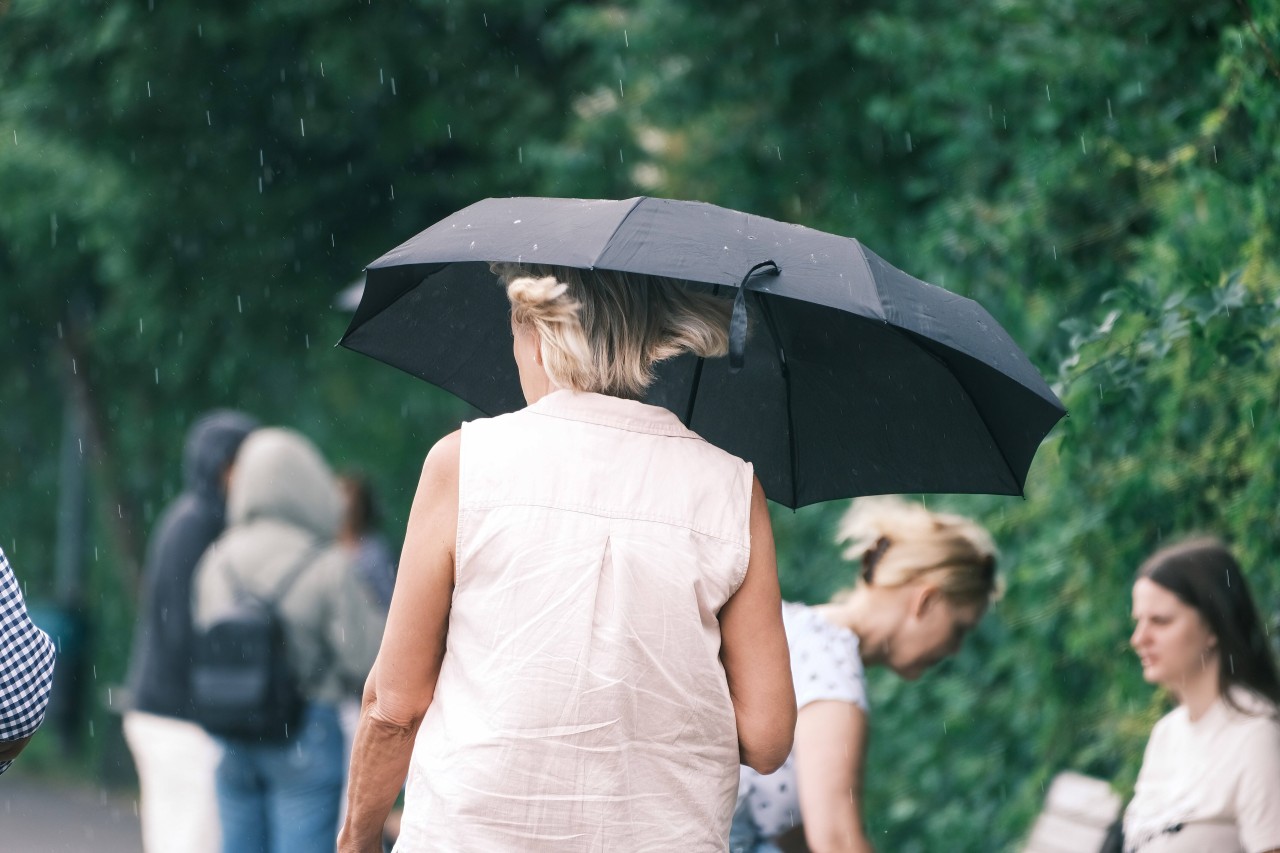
926, 580
361, 535
26, 669
284, 509
1210, 777
175, 757
586, 639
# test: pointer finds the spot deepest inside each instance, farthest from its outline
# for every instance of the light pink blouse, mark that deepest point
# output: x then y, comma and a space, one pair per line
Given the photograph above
582, 705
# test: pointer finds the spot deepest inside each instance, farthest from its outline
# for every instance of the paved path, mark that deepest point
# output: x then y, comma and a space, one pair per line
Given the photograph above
38, 816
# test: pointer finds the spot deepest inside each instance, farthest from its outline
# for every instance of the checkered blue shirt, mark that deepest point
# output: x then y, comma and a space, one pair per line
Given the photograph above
26, 664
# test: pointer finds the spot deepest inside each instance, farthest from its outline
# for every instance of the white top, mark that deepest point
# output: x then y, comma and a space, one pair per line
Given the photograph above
1217, 779
825, 664
581, 704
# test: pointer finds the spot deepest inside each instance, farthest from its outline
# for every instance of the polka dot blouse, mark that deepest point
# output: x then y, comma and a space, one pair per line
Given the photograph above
825, 664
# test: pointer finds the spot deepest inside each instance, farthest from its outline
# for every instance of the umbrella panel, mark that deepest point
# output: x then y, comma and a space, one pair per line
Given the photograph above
869, 404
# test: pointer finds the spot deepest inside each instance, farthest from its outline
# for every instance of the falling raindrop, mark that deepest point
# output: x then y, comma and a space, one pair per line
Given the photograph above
148, 88
73, 366
239, 305
393, 192
520, 153
626, 41
331, 242
486, 19
157, 376
200, 30
60, 338
303, 126
15, 137
620, 160
621, 93
393, 85
1055, 251
1251, 423
1215, 153
908, 143
449, 128
308, 339
1082, 148
1109, 115
1231, 661
321, 68
778, 150
261, 161
259, 185
1047, 96
208, 118
139, 325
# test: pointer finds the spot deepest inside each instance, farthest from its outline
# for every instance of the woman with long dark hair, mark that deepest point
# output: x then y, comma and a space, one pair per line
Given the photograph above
1210, 779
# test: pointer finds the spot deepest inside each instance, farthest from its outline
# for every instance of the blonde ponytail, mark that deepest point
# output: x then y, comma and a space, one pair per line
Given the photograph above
898, 543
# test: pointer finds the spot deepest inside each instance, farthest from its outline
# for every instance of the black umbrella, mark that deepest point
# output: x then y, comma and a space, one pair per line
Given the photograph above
857, 379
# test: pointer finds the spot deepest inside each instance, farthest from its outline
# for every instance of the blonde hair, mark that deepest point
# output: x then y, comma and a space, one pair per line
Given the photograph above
900, 543
603, 330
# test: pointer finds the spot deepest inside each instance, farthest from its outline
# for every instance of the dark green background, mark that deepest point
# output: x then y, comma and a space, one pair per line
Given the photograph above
185, 187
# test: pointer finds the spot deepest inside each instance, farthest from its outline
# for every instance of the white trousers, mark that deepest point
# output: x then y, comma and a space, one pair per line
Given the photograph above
177, 761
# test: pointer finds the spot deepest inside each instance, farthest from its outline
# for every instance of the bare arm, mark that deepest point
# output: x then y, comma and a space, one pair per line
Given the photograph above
831, 746
9, 749
403, 680
754, 652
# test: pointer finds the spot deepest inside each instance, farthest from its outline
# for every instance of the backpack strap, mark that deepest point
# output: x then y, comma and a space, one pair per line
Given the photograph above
295, 571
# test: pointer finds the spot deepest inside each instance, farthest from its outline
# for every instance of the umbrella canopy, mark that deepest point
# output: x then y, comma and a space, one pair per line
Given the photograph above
857, 379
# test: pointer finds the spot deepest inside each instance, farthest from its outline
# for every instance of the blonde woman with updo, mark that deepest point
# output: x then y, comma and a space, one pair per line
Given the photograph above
585, 639
926, 579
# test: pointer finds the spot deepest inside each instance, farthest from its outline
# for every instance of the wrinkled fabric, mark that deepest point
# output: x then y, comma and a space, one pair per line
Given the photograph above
1209, 784
581, 704
159, 670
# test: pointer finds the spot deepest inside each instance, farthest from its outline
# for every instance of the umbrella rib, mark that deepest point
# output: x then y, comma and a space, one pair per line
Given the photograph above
976, 409
623, 221
862, 254
697, 379
769, 323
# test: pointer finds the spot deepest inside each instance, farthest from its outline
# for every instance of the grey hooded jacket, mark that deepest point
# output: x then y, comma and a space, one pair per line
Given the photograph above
159, 668
283, 507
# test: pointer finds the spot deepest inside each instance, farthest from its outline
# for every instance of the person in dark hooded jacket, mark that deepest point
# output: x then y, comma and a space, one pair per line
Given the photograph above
176, 759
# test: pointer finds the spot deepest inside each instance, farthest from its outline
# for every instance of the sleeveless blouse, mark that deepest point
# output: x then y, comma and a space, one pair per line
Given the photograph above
581, 703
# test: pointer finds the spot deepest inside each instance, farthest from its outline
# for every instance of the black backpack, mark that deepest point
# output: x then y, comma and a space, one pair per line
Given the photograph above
242, 686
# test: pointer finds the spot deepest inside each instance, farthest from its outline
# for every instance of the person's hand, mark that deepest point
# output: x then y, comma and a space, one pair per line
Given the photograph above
9, 749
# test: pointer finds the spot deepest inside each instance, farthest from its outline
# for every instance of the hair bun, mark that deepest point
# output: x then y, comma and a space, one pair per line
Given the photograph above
544, 299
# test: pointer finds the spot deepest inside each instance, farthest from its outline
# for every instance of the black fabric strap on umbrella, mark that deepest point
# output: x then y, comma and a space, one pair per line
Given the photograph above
737, 355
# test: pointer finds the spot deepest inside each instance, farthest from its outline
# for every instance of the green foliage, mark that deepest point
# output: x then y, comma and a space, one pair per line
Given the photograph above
185, 191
